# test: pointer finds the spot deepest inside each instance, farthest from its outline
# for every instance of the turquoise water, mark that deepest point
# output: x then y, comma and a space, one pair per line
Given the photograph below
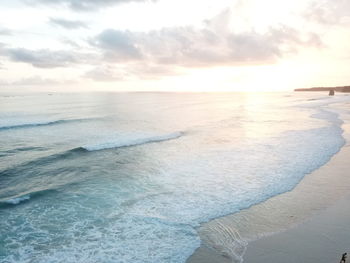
127, 177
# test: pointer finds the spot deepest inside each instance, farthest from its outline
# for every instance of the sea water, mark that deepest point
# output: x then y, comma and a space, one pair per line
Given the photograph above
128, 177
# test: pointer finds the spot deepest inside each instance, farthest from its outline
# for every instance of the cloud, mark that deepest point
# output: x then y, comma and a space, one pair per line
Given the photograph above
165, 52
70, 43
106, 73
153, 71
205, 47
123, 54
3, 51
68, 24
329, 11
110, 73
118, 45
5, 32
84, 5
45, 58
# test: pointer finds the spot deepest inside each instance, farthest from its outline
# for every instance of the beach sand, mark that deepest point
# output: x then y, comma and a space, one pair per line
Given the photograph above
311, 223
323, 238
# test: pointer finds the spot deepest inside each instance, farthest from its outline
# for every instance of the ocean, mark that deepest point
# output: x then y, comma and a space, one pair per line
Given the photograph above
129, 177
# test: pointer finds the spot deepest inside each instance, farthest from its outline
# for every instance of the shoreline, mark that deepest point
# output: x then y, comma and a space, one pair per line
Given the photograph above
323, 237
263, 226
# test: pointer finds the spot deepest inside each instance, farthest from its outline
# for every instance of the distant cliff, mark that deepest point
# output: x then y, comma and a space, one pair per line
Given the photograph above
337, 89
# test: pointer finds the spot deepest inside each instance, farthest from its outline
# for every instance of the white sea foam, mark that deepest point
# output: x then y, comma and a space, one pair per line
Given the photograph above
132, 140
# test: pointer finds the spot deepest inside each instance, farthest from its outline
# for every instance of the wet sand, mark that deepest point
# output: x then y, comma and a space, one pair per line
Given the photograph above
311, 223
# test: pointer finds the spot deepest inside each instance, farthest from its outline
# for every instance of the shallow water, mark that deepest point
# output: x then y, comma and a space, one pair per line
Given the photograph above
127, 177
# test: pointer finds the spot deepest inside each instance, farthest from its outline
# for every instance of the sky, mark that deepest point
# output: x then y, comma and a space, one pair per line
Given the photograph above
167, 45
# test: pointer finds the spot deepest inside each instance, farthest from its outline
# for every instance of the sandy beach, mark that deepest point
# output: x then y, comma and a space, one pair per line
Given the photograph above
323, 238
307, 224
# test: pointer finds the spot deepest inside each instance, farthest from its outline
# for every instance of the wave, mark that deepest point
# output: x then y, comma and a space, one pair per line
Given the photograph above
132, 142
24, 196
25, 177
77, 152
38, 123
17, 200
22, 149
